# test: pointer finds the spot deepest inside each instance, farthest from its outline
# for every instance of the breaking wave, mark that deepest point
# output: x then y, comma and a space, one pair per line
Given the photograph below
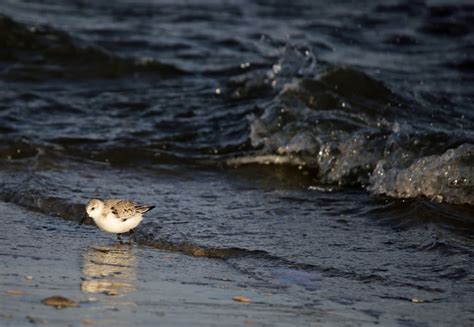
350, 129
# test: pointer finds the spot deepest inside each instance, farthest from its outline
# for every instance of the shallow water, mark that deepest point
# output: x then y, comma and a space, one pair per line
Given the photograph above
325, 151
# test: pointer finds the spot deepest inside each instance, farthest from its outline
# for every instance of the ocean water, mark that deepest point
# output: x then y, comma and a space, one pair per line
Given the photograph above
326, 150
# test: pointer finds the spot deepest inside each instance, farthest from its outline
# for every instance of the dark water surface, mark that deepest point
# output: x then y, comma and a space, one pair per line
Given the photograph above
324, 150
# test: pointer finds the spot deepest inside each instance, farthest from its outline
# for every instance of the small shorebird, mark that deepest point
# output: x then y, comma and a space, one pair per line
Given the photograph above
116, 216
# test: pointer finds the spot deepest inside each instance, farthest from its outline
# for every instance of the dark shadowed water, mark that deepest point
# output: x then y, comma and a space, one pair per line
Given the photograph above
324, 149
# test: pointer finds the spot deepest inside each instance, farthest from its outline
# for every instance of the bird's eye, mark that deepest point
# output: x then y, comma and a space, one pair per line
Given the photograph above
92, 208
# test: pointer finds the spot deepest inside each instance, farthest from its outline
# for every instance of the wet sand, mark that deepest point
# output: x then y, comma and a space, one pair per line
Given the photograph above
43, 255
123, 285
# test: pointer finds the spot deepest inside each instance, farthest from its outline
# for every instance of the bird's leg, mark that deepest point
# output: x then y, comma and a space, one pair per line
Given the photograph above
119, 237
131, 236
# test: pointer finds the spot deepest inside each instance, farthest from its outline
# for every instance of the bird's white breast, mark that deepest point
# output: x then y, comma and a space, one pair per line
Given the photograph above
112, 224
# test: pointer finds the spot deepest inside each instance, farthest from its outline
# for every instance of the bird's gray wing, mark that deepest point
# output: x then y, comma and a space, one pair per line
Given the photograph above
124, 209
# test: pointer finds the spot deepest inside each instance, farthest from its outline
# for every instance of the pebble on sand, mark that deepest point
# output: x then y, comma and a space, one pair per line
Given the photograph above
59, 302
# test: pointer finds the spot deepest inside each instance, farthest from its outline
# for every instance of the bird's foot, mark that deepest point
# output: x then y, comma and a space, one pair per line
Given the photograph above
131, 236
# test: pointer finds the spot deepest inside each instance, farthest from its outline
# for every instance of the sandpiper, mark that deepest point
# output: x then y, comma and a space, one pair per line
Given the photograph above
116, 215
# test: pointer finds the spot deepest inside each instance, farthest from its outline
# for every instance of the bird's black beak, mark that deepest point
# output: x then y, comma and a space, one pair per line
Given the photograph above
84, 218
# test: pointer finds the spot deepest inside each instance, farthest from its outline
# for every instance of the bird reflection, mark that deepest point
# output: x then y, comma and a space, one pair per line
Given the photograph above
109, 269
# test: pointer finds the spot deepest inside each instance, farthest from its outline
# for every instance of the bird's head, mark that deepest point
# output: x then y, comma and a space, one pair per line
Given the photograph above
94, 208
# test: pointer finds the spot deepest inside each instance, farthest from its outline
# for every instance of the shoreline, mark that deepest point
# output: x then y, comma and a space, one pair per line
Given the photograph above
122, 284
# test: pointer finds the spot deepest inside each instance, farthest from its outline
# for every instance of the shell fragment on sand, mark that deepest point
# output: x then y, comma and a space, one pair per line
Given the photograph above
15, 292
241, 298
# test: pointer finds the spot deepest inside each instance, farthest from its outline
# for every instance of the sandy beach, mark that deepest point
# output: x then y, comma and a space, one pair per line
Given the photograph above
121, 285
124, 285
